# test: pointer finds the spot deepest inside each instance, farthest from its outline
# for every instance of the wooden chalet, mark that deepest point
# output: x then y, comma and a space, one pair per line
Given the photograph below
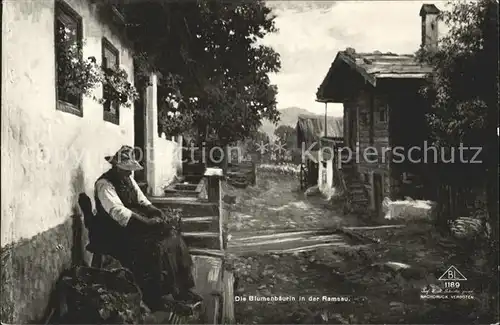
383, 109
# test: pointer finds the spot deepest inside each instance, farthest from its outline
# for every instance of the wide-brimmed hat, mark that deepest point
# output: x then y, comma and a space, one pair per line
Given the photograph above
124, 159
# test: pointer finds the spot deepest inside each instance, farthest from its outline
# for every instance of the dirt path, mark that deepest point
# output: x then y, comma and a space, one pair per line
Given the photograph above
276, 233
274, 216
293, 266
275, 205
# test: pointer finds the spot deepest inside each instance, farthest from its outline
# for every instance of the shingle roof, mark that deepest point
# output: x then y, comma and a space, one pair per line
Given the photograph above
385, 65
312, 128
377, 65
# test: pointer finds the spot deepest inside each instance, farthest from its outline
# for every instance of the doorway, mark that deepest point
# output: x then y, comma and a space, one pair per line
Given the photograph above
378, 193
140, 135
352, 117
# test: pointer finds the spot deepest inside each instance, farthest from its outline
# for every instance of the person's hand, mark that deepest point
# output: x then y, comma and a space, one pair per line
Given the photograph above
163, 216
153, 211
152, 221
155, 221
176, 218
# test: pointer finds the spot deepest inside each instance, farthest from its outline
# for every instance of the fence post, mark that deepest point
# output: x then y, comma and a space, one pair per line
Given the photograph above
152, 136
213, 178
227, 205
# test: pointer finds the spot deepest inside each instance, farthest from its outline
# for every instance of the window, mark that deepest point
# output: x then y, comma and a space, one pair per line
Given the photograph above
407, 178
110, 61
365, 178
382, 115
68, 42
372, 122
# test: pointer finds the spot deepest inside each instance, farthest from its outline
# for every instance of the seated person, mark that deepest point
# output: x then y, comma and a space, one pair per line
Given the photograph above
128, 227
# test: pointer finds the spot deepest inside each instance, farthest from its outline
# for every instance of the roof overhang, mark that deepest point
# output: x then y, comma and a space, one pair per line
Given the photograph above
402, 76
326, 100
332, 89
338, 83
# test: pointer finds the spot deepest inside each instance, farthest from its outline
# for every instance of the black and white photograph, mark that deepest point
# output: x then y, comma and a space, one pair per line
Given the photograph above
250, 162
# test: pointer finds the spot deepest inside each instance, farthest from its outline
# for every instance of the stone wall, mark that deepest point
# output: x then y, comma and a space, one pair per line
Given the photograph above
48, 156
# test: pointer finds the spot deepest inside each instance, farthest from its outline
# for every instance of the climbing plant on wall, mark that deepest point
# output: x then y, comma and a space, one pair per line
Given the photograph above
75, 75
79, 76
118, 89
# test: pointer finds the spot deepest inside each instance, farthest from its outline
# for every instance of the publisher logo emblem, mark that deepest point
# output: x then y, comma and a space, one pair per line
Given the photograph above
452, 274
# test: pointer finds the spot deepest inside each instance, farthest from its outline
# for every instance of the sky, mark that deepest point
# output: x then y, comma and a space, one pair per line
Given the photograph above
312, 32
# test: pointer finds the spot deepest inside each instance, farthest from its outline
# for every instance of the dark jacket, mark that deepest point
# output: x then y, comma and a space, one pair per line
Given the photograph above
105, 233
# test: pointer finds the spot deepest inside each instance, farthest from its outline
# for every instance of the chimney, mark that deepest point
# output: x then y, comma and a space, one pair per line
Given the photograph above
430, 33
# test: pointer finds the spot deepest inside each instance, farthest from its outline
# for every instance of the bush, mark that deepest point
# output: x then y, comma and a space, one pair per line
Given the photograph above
284, 169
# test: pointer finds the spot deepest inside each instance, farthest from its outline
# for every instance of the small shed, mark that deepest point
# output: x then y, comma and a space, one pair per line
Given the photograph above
310, 136
311, 128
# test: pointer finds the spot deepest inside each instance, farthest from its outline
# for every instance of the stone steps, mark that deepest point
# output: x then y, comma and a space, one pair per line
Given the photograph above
184, 187
200, 224
200, 220
358, 197
207, 252
192, 177
189, 206
184, 190
203, 240
177, 193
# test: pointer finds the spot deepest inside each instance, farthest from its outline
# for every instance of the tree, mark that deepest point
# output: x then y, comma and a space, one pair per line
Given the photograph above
259, 136
464, 92
210, 61
287, 135
259, 144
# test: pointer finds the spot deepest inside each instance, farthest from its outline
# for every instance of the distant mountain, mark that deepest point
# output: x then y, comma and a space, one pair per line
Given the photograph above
289, 116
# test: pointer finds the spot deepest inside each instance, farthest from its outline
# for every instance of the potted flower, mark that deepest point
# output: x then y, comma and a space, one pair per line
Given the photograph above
117, 88
75, 75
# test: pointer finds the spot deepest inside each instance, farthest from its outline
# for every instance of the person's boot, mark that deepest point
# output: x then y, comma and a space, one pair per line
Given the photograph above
194, 296
190, 297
